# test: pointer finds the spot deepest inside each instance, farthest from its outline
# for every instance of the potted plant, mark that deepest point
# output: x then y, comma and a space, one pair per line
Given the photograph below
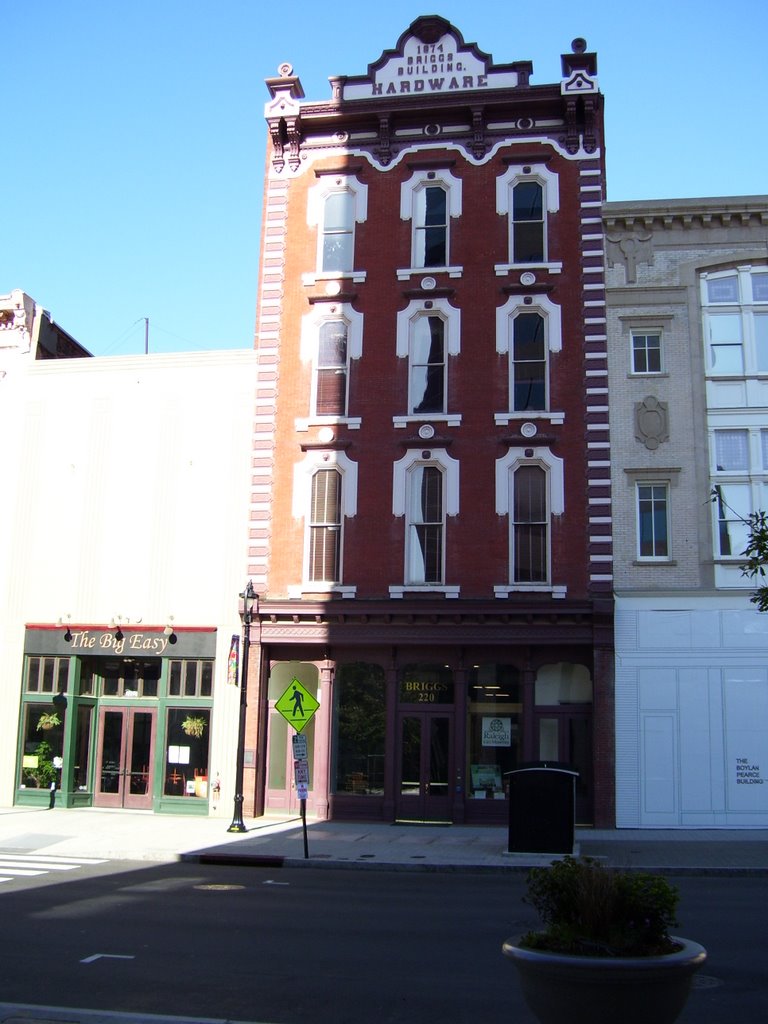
48, 721
605, 952
194, 725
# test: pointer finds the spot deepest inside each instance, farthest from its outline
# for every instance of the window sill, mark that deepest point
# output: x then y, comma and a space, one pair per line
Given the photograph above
352, 422
408, 272
435, 588
306, 589
357, 276
654, 561
503, 419
507, 268
530, 588
450, 420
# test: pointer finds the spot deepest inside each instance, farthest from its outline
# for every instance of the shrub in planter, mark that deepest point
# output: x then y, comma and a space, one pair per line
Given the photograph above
605, 951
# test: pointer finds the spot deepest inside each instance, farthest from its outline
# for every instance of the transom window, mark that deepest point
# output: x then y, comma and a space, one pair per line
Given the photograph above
191, 678
646, 352
47, 675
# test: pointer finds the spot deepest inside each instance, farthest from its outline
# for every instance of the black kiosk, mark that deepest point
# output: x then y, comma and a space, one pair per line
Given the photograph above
542, 808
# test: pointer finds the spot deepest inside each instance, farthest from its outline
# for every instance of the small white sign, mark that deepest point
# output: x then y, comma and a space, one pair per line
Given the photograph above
497, 732
302, 790
301, 772
299, 747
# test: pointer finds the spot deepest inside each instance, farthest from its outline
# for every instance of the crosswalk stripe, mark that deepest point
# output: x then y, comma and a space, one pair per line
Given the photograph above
24, 872
56, 863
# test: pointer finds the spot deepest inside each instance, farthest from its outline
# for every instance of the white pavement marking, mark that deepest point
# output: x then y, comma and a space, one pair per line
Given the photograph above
106, 956
29, 866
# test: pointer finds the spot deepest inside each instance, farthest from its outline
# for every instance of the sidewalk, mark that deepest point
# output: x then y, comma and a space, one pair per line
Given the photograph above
279, 842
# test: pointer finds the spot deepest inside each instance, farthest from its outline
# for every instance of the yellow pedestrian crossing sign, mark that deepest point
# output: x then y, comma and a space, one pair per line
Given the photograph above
296, 705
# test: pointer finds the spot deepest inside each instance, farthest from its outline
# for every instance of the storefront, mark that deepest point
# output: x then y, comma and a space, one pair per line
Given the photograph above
427, 733
116, 717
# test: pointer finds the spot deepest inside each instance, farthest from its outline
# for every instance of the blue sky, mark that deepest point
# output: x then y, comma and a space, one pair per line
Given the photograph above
135, 140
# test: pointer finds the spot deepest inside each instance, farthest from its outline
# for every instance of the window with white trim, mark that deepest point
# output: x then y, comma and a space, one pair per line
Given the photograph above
428, 332
528, 333
735, 312
652, 520
331, 339
325, 527
739, 468
324, 495
425, 525
527, 196
646, 351
430, 199
733, 505
529, 491
425, 492
335, 205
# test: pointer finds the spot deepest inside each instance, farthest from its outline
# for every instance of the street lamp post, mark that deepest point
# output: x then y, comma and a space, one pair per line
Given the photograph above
249, 599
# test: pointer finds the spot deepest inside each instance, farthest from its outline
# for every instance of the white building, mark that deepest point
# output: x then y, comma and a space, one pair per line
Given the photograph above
123, 546
687, 296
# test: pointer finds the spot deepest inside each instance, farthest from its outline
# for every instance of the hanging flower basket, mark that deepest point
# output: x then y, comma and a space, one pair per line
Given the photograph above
48, 721
194, 725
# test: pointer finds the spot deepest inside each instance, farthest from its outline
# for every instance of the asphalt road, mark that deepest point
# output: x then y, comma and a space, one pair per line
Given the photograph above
324, 946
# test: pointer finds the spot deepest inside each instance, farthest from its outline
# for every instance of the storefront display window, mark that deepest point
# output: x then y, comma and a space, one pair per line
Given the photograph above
495, 712
361, 729
41, 750
186, 752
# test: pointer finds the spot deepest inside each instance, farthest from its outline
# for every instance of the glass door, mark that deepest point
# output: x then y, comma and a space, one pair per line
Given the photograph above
124, 758
566, 737
425, 761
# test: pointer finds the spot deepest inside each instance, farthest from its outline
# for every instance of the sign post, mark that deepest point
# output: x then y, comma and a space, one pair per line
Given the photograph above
297, 706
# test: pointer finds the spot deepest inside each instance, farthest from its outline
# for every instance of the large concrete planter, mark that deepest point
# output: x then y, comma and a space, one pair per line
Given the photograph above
563, 989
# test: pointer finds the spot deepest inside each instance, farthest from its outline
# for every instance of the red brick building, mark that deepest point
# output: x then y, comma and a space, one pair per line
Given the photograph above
431, 500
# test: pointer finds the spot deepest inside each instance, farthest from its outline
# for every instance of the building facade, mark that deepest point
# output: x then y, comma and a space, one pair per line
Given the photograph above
430, 515
122, 549
688, 328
